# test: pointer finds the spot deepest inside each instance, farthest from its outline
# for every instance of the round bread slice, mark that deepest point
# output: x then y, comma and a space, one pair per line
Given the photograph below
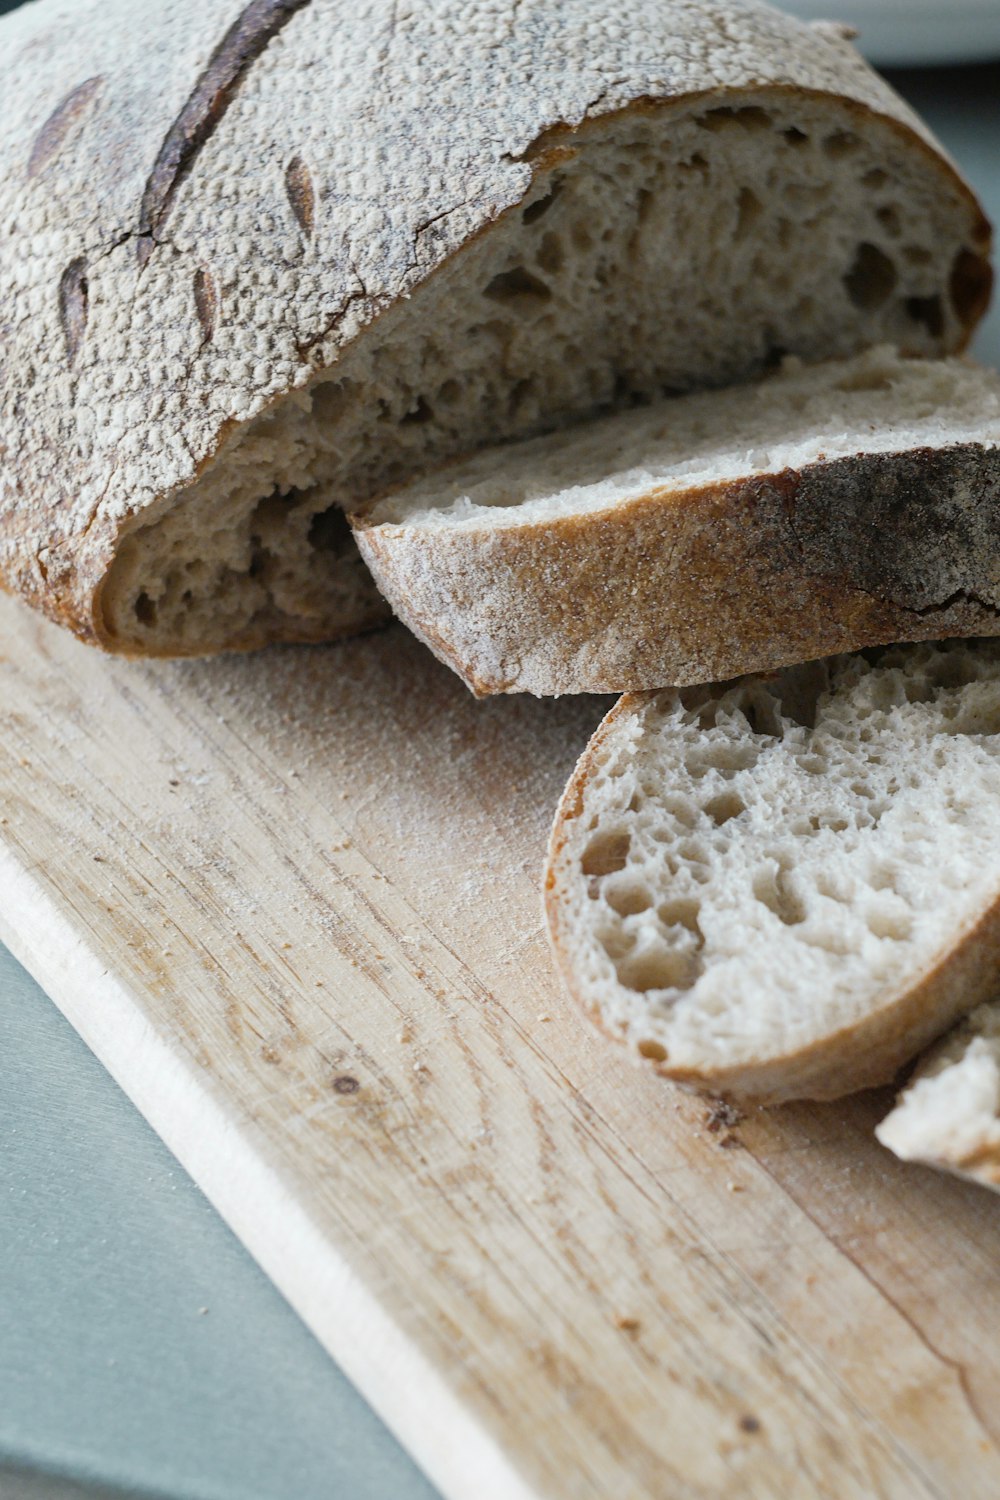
820, 510
785, 887
258, 264
948, 1116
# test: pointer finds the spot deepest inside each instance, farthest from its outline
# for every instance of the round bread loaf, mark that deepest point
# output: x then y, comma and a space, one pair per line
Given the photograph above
259, 263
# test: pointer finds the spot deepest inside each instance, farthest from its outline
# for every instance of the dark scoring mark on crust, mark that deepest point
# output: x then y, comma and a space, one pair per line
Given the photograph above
257, 24
73, 298
60, 122
206, 301
301, 196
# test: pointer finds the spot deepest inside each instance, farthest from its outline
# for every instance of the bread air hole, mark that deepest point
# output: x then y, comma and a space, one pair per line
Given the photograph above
145, 610
970, 285
761, 714
541, 206
772, 889
627, 900
701, 706
685, 813
617, 942
694, 853
606, 854
841, 143
420, 411
872, 278
659, 968
517, 288
329, 531
725, 806
750, 118
928, 311
818, 821
889, 217
683, 912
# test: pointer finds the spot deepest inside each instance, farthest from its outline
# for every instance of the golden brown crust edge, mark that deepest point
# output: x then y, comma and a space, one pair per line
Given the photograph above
865, 1055
709, 583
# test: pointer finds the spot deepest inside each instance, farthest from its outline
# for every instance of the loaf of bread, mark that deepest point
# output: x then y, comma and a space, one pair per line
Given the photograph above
785, 887
948, 1115
820, 510
260, 264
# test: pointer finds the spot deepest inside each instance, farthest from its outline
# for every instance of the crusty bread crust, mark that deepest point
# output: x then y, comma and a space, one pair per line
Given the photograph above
865, 1055
204, 239
706, 584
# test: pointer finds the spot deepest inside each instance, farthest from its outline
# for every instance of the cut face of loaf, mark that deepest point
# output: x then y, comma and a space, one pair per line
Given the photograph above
824, 508
948, 1115
269, 280
666, 253
784, 887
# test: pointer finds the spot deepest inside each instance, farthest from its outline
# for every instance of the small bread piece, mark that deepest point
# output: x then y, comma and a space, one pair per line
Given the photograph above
823, 509
785, 887
948, 1115
262, 260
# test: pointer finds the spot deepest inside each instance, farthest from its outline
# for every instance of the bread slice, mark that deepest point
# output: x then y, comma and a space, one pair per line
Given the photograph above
823, 509
262, 264
948, 1115
784, 887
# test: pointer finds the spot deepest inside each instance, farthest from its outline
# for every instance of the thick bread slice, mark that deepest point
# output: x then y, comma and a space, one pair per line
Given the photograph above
785, 887
261, 263
820, 510
948, 1115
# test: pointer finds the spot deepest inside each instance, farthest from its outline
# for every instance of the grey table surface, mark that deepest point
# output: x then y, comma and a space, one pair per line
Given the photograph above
142, 1352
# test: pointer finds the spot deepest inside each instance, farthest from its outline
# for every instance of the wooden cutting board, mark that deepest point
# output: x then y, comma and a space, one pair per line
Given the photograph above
291, 900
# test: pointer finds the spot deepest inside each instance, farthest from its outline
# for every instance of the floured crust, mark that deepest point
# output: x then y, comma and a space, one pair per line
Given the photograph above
833, 1062
203, 239
709, 583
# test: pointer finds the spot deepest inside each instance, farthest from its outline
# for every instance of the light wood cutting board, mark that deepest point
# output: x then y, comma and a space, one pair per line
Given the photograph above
291, 900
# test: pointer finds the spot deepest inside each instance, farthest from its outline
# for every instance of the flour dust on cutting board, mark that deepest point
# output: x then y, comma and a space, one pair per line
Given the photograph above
292, 901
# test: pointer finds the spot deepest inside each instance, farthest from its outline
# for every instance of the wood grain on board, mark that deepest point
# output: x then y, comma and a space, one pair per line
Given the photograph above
292, 901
